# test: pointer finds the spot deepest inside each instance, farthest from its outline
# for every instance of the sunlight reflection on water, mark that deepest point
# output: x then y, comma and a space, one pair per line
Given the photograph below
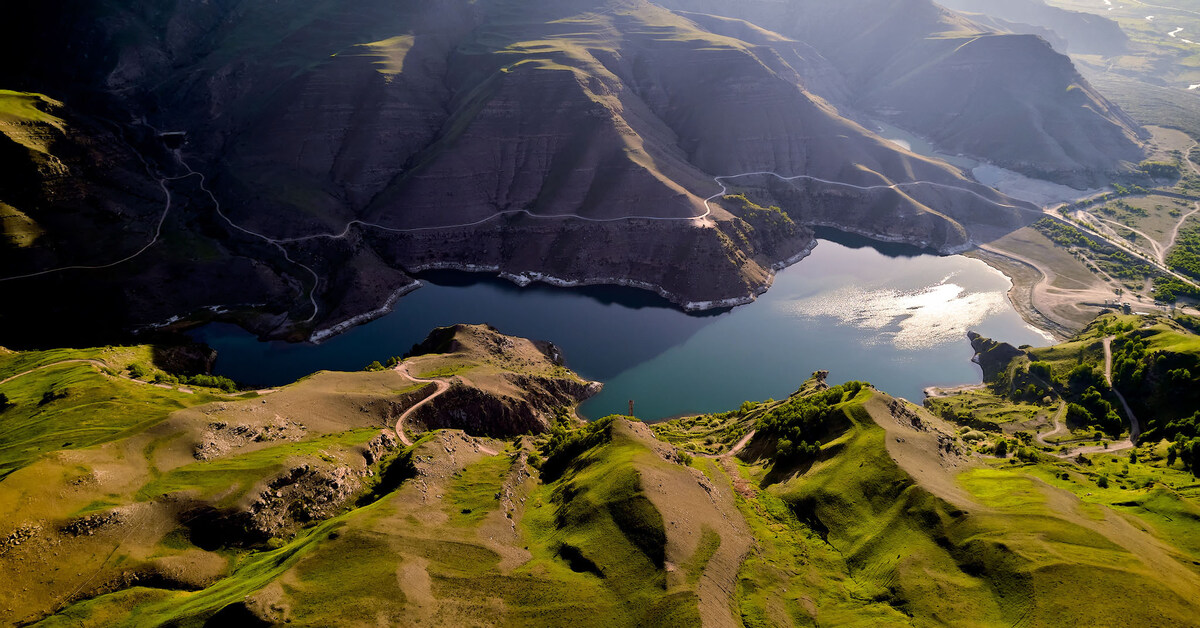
907, 319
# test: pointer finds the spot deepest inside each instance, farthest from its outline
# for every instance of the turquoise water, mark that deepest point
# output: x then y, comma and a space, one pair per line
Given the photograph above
890, 316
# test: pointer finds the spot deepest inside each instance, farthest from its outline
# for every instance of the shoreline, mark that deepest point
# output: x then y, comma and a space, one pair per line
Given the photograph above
1025, 278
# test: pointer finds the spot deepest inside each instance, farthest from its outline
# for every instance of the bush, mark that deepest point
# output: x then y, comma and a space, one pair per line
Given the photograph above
211, 381
138, 371
1001, 448
799, 424
567, 444
1102, 481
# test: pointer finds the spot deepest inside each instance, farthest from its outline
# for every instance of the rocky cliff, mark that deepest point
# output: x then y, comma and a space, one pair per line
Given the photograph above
314, 157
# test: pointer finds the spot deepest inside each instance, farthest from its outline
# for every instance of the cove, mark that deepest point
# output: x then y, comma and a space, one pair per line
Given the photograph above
889, 315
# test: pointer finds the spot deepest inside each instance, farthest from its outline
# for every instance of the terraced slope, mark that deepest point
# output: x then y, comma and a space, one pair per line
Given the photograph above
320, 155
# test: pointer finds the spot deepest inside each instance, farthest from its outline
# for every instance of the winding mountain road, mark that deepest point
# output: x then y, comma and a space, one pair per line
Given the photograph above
1135, 427
442, 386
280, 243
1060, 428
162, 183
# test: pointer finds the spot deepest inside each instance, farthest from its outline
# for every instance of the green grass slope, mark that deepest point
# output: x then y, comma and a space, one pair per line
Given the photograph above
850, 536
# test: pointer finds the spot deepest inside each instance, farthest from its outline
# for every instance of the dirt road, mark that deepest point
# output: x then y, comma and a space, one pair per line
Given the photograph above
442, 386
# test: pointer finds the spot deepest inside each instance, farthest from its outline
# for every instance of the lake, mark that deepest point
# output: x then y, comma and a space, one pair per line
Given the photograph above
886, 314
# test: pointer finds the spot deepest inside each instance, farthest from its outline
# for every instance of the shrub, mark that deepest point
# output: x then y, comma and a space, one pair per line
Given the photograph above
138, 371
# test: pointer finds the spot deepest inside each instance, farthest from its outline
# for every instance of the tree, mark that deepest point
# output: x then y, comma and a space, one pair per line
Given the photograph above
1002, 448
4, 402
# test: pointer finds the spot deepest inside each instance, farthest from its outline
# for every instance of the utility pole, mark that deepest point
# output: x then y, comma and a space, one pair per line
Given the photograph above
631, 408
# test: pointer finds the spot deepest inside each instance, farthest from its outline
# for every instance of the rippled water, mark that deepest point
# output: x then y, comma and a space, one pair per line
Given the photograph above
882, 314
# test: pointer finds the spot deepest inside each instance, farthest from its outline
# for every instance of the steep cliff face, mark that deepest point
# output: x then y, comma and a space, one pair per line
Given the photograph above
992, 356
499, 385
1037, 130
330, 151
1009, 99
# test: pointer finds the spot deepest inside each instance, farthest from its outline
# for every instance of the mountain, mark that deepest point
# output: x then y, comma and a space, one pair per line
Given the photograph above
311, 158
332, 501
1081, 33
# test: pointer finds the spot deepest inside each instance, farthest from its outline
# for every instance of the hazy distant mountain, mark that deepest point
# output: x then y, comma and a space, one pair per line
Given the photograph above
1081, 33
567, 141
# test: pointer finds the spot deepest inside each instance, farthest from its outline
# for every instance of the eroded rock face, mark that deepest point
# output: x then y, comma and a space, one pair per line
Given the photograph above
312, 490
484, 413
354, 146
992, 356
220, 438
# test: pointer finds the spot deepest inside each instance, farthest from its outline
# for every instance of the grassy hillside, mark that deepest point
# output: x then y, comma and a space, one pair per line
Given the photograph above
835, 506
869, 533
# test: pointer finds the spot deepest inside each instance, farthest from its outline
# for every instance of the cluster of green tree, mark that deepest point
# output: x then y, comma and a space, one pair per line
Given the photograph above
1161, 385
392, 362
1126, 190
1186, 427
1160, 169
1093, 410
1128, 361
1170, 289
1184, 258
1066, 235
1021, 449
566, 444
205, 381
1111, 260
799, 424
1085, 376
1187, 451
140, 371
1032, 383
1189, 322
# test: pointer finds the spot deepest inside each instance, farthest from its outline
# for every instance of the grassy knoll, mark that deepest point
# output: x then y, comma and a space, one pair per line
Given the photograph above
847, 507
226, 480
142, 607
74, 404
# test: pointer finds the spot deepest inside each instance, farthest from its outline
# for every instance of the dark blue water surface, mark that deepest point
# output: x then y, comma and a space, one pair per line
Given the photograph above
887, 315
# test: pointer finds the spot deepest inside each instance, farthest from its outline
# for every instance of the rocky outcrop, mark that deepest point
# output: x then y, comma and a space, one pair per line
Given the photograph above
221, 438
992, 356
483, 413
311, 490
